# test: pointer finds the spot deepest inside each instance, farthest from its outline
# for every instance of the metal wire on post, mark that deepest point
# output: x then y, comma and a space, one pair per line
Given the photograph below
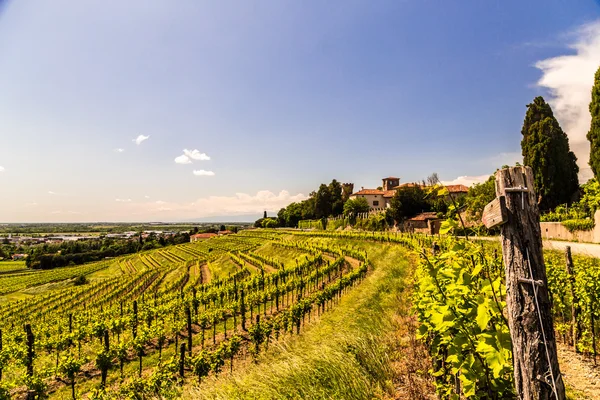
537, 308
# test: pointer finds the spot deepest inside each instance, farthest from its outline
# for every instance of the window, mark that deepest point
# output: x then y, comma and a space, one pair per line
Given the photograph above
375, 203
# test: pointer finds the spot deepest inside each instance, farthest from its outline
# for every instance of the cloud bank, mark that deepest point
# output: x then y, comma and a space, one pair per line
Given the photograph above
239, 204
569, 79
138, 140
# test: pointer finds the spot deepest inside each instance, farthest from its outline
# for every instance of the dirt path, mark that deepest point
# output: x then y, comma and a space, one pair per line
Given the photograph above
205, 273
579, 373
268, 268
353, 262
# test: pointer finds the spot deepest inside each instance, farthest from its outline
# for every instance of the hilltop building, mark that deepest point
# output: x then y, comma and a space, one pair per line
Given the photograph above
380, 198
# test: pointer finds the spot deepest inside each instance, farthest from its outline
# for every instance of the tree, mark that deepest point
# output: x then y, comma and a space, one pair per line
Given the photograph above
265, 214
323, 202
337, 204
594, 134
269, 223
546, 150
407, 202
222, 228
479, 196
290, 215
433, 179
591, 196
356, 206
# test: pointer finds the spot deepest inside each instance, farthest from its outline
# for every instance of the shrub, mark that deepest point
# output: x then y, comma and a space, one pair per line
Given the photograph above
573, 225
80, 280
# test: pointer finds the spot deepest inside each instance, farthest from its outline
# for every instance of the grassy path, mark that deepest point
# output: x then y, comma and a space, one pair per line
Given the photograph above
352, 353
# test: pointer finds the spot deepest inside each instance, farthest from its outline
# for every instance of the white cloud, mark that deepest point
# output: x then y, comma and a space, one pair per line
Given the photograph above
467, 180
569, 79
138, 140
51, 192
32, 204
196, 155
239, 204
202, 172
119, 150
160, 202
123, 200
183, 159
146, 196
2, 169
189, 155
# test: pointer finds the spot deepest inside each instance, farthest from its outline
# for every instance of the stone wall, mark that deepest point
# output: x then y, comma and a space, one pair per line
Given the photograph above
556, 231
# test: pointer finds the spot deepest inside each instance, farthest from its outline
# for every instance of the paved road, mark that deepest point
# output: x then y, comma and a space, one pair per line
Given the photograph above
588, 249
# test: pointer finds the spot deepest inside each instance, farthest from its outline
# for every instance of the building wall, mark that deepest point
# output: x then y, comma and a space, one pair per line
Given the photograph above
555, 230
371, 198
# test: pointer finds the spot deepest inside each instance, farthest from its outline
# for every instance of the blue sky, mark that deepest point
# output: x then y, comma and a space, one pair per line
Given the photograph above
281, 95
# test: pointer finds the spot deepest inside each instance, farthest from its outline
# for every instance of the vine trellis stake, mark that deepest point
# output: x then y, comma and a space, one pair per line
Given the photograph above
515, 210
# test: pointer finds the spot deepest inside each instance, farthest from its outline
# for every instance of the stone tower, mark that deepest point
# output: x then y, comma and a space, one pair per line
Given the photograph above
347, 190
390, 182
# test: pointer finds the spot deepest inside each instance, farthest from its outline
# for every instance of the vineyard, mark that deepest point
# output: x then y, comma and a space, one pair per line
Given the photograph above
146, 323
175, 320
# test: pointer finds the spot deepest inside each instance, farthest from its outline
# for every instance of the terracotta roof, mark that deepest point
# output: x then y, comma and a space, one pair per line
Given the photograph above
227, 232
451, 188
203, 235
391, 177
424, 216
389, 193
409, 184
457, 188
369, 191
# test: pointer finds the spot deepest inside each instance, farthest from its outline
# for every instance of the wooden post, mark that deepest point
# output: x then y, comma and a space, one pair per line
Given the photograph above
30, 350
575, 307
188, 317
0, 351
536, 370
182, 362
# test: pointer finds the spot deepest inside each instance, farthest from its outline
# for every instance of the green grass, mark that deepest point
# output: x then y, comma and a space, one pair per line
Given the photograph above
12, 265
345, 356
221, 267
282, 254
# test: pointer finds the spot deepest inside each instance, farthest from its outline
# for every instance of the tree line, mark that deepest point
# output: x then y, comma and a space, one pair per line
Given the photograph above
56, 255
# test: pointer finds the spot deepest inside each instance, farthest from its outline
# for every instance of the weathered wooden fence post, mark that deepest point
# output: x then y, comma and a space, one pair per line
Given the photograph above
536, 370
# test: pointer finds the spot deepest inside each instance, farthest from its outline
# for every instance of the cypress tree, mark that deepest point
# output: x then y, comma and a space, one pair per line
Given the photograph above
594, 134
546, 150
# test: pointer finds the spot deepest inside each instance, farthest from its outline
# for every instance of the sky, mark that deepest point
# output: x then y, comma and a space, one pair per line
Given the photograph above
170, 111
